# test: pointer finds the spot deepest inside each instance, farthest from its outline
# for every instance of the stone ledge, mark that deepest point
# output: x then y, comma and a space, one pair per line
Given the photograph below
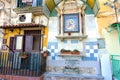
83, 76
73, 55
80, 37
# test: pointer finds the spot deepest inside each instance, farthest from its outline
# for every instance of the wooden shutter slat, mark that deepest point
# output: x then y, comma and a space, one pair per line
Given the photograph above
11, 43
28, 43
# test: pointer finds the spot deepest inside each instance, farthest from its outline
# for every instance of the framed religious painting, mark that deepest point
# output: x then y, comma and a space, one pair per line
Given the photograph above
71, 23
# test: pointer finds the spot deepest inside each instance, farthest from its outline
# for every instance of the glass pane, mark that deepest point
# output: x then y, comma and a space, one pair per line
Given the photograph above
24, 3
28, 43
39, 2
34, 3
19, 41
36, 42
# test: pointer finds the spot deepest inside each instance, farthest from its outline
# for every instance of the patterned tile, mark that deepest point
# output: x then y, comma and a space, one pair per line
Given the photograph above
74, 41
91, 48
51, 44
53, 48
65, 41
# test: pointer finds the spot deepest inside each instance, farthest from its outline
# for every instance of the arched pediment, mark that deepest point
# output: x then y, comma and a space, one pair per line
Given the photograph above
50, 5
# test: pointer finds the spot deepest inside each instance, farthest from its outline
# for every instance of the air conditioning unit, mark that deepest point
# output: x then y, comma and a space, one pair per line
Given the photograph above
25, 18
43, 20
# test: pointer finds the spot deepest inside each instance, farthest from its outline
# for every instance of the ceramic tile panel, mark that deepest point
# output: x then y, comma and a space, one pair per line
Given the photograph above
53, 48
65, 41
71, 45
74, 41
91, 50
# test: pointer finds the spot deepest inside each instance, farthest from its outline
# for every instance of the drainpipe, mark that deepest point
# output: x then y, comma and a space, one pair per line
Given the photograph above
118, 28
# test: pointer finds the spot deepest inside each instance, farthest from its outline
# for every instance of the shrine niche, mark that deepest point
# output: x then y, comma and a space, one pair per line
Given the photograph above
71, 20
71, 23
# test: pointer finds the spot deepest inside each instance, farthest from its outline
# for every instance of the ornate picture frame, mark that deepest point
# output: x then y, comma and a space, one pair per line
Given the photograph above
71, 23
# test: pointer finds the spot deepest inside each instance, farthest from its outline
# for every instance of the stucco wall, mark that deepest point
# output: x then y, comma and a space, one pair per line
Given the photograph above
112, 42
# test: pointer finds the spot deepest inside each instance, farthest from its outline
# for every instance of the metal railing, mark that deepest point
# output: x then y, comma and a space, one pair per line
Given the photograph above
115, 59
12, 64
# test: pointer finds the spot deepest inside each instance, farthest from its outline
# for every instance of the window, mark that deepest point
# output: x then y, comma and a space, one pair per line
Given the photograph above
36, 40
30, 41
24, 3
19, 41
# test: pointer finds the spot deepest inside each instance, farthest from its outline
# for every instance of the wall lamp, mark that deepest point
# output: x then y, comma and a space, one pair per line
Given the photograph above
12, 30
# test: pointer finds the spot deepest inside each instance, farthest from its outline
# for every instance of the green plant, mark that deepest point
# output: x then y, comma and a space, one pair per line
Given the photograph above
75, 50
64, 50
46, 52
23, 54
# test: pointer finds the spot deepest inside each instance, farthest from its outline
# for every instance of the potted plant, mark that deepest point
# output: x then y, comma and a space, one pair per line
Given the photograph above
75, 51
64, 51
46, 53
23, 54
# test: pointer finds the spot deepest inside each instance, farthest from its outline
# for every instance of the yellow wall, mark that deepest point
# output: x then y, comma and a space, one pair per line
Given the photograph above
11, 34
17, 31
111, 40
104, 19
45, 40
105, 16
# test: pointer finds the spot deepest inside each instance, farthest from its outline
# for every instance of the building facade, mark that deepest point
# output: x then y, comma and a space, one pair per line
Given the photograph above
57, 26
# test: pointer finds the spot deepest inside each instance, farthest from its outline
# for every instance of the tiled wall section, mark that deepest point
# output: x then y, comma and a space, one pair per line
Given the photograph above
53, 48
91, 51
89, 48
55, 45
71, 44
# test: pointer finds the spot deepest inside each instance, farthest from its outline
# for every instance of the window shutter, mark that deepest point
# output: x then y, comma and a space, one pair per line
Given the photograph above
19, 41
28, 43
20, 4
34, 3
39, 2
11, 43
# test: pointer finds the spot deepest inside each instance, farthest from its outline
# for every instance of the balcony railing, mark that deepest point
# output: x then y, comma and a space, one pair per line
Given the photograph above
29, 9
115, 59
12, 64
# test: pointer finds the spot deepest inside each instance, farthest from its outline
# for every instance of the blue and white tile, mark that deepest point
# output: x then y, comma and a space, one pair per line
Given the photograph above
91, 50
53, 48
